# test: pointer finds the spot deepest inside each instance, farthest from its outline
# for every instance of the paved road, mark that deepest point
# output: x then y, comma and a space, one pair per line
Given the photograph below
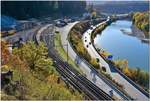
90, 48
25, 35
128, 87
91, 75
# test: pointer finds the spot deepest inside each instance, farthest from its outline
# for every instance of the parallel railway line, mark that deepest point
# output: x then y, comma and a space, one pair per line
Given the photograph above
72, 76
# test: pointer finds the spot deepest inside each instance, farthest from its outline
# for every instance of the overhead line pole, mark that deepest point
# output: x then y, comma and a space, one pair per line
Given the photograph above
61, 44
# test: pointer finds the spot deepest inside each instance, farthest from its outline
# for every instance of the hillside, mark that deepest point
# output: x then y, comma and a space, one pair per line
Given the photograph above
35, 9
34, 76
116, 7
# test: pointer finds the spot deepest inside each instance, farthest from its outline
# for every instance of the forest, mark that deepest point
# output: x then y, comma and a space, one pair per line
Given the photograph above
141, 21
36, 9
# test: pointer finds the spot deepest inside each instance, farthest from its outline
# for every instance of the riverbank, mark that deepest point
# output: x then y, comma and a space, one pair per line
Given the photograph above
128, 85
91, 73
141, 21
136, 74
99, 29
129, 71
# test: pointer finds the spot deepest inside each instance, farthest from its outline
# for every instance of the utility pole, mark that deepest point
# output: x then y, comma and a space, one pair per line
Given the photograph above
60, 45
67, 52
54, 34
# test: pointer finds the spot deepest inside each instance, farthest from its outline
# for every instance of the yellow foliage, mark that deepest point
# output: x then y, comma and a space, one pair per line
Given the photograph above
4, 52
52, 78
127, 71
5, 68
80, 48
95, 63
94, 14
122, 63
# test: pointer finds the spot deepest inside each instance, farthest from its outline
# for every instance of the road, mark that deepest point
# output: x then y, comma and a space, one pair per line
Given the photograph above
67, 72
26, 35
128, 87
91, 74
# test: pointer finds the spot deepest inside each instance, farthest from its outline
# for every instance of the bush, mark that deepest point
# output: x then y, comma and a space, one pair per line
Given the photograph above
95, 63
103, 69
98, 30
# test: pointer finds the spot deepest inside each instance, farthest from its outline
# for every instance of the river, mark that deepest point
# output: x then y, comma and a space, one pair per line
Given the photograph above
123, 46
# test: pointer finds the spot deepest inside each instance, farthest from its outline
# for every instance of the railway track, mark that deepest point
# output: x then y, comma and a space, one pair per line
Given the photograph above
72, 76
94, 92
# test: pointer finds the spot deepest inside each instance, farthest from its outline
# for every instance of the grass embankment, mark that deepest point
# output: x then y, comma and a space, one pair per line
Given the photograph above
98, 30
75, 38
62, 52
34, 76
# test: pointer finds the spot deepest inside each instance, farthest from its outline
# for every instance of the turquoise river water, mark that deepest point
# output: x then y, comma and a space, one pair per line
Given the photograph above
123, 46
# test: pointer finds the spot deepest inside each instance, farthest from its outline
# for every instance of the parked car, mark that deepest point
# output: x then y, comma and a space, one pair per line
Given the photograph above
91, 27
60, 23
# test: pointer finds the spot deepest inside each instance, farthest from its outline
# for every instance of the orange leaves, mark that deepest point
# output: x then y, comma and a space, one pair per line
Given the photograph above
16, 62
4, 52
53, 78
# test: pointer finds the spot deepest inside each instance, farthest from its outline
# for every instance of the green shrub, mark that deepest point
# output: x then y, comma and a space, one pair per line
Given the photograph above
94, 62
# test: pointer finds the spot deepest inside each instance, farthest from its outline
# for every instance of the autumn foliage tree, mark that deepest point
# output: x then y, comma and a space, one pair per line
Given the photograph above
95, 63
36, 57
137, 75
4, 52
141, 21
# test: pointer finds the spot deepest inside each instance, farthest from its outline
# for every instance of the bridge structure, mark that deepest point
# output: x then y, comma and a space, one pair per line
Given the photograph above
118, 16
